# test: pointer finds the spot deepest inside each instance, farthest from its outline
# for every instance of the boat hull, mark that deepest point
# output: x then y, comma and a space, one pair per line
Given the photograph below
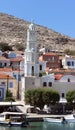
13, 119
52, 120
13, 124
70, 118
65, 119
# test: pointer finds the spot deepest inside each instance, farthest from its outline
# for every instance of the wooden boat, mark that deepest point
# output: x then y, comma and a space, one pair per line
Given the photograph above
13, 119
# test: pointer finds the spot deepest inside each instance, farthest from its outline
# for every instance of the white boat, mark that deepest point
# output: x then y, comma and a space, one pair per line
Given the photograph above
52, 120
13, 119
70, 118
66, 119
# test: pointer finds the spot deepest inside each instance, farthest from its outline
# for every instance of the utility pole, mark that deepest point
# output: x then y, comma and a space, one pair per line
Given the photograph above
7, 84
18, 96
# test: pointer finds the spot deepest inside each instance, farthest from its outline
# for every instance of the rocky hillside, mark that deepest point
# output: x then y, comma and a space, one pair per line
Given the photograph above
14, 30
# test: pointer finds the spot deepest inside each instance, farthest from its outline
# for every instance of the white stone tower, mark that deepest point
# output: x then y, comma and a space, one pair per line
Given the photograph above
31, 53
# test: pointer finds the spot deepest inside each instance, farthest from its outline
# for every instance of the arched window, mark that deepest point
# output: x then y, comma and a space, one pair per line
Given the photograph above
40, 67
68, 79
32, 70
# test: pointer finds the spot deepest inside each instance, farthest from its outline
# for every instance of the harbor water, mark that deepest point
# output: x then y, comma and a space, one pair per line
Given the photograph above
42, 126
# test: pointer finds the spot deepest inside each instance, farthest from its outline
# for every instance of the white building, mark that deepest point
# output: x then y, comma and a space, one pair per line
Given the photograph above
4, 62
68, 62
32, 65
63, 84
31, 53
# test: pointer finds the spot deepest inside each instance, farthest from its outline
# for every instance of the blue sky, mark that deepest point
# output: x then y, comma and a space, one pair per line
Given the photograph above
58, 15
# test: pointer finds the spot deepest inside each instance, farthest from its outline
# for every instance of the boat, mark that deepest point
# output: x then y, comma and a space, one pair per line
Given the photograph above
66, 119
13, 119
52, 120
61, 120
70, 118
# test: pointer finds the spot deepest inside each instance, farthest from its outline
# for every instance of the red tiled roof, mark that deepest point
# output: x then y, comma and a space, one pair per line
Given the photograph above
50, 54
3, 58
58, 76
17, 59
6, 69
62, 70
4, 76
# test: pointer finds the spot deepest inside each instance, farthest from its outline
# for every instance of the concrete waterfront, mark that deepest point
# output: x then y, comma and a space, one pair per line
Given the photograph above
39, 117
36, 116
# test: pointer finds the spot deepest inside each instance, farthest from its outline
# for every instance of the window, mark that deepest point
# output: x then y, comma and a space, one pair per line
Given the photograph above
5, 64
19, 77
11, 85
0, 64
44, 84
50, 84
32, 83
14, 76
68, 63
40, 67
63, 95
68, 79
72, 63
32, 70
0, 93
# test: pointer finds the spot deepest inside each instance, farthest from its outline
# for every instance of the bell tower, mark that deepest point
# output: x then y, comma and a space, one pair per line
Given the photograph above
31, 53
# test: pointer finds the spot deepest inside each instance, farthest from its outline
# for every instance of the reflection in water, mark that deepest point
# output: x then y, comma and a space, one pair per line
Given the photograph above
4, 128
47, 126
43, 126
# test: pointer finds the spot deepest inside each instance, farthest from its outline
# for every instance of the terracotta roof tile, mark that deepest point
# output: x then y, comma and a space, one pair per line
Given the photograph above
50, 54
17, 59
6, 69
58, 76
3, 58
4, 76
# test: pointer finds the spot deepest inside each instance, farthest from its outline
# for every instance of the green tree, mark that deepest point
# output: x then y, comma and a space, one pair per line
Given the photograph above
41, 96
34, 97
28, 97
20, 47
5, 47
8, 93
50, 96
9, 96
70, 96
69, 52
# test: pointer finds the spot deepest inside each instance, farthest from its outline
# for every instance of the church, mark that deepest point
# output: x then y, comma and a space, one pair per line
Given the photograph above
32, 66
